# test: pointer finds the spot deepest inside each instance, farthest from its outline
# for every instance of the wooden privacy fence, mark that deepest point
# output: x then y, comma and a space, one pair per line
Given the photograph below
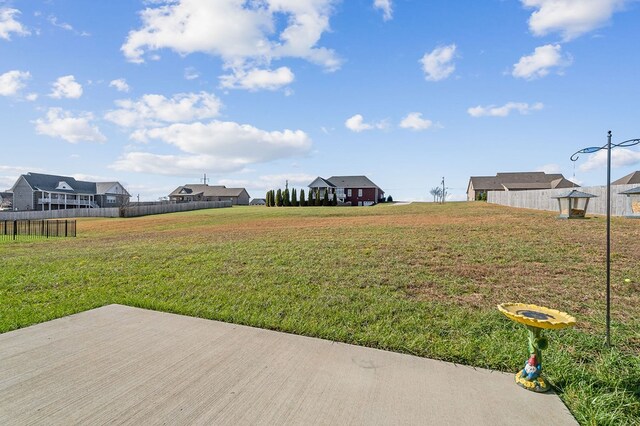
14, 229
60, 214
144, 210
131, 210
542, 199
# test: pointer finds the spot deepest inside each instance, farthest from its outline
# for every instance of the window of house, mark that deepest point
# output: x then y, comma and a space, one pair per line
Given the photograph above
359, 192
111, 199
63, 185
348, 193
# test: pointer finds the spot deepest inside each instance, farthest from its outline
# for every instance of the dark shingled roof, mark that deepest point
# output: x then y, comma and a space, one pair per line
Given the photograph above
352, 182
42, 182
49, 183
630, 179
325, 181
207, 191
520, 180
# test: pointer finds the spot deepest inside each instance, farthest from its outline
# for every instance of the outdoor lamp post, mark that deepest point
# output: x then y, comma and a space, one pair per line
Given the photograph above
590, 150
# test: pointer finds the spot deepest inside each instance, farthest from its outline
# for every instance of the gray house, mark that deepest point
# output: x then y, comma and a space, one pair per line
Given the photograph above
37, 191
516, 181
204, 192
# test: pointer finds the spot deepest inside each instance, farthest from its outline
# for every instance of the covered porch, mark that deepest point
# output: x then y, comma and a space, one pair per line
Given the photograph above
61, 200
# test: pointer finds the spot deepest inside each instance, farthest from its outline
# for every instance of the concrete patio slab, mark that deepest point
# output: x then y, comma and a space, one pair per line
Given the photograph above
124, 365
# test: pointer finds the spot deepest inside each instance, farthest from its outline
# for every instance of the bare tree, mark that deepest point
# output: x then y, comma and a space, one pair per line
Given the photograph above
437, 193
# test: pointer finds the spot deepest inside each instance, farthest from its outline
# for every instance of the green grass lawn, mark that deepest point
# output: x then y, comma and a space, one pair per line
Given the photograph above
422, 279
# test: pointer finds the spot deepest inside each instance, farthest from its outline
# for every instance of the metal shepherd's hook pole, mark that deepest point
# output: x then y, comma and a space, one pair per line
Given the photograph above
591, 150
608, 333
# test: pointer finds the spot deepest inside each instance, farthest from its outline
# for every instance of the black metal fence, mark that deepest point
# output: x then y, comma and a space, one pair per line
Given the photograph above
15, 229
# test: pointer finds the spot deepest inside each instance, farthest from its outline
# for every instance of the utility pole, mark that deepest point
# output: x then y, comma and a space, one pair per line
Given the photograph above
286, 184
444, 191
205, 179
138, 198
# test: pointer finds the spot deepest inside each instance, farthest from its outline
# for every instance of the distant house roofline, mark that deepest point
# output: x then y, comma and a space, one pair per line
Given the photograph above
630, 179
519, 181
65, 184
207, 191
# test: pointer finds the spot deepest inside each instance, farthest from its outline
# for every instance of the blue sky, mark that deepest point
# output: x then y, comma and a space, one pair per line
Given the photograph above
156, 93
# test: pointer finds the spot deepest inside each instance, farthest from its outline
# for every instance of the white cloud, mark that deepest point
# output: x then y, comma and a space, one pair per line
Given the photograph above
32, 97
66, 87
156, 110
120, 84
64, 125
191, 73
571, 18
620, 157
8, 24
9, 175
386, 7
438, 64
256, 79
12, 82
357, 124
505, 110
217, 146
540, 62
53, 20
414, 121
173, 165
246, 35
230, 139
550, 168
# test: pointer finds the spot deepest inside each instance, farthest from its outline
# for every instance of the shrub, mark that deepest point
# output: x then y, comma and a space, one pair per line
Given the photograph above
389, 199
286, 201
303, 202
279, 198
335, 200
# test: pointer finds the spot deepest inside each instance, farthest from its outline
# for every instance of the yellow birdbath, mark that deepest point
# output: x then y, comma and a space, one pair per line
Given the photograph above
536, 318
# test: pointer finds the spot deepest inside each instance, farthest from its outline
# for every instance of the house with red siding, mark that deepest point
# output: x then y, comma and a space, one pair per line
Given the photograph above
349, 190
